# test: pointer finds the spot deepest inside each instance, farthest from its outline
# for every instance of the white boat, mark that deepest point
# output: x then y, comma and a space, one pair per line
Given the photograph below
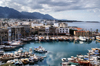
47, 38
1, 52
98, 38
64, 59
41, 38
24, 39
20, 50
17, 62
16, 43
52, 38
82, 38
34, 57
36, 38
30, 50
40, 50
6, 48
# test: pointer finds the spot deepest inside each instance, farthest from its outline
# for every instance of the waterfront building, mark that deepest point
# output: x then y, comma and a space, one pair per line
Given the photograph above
41, 30
15, 32
51, 30
82, 33
63, 30
34, 30
3, 34
27, 27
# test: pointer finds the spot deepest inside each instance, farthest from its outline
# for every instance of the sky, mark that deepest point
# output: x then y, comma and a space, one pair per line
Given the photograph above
84, 10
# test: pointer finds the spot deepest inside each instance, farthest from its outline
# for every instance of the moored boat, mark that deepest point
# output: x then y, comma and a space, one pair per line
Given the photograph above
1, 52
40, 50
47, 38
82, 38
25, 61
98, 38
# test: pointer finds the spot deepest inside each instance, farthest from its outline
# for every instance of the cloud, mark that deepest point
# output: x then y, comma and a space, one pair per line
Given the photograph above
55, 57
51, 5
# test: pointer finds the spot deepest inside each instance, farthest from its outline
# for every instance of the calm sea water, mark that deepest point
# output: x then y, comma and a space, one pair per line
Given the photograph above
63, 49
86, 25
60, 49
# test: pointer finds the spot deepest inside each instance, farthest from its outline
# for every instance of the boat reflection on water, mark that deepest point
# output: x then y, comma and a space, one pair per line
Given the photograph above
97, 41
82, 42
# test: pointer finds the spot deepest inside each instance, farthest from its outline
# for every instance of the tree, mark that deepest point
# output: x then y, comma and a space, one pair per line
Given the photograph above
96, 30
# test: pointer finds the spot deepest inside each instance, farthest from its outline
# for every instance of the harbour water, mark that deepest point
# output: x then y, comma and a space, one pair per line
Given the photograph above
60, 49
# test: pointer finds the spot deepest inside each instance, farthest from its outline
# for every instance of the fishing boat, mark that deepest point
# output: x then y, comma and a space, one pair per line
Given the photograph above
67, 38
52, 38
41, 38
98, 38
71, 38
40, 58
1, 52
40, 50
47, 38
20, 50
60, 38
10, 61
36, 38
30, 50
25, 61
34, 57
76, 39
31, 61
17, 62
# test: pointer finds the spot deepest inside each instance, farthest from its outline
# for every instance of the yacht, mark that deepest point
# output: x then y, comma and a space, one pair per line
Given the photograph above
24, 40
1, 52
16, 43
7, 48
82, 38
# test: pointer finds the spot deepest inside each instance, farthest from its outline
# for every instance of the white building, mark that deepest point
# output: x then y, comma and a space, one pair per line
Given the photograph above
63, 30
46, 29
56, 25
36, 24
62, 24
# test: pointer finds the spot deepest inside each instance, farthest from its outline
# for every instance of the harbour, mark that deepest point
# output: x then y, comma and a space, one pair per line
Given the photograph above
45, 45
58, 49
49, 33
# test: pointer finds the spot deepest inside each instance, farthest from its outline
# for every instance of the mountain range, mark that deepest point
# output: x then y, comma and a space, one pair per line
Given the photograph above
6, 12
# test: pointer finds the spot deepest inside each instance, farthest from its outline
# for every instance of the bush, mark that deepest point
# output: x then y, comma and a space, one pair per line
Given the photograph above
7, 64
